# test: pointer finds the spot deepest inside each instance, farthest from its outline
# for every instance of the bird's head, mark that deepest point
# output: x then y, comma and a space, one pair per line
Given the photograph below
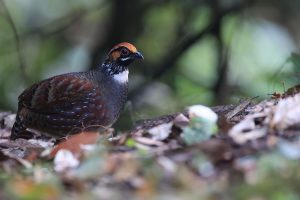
123, 54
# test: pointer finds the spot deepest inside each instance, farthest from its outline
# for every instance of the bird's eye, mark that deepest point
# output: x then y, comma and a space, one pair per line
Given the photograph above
124, 52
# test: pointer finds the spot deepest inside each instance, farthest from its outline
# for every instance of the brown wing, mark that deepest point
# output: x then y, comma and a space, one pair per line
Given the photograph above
53, 94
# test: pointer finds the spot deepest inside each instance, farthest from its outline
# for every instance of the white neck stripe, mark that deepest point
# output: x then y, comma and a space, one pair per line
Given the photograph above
121, 77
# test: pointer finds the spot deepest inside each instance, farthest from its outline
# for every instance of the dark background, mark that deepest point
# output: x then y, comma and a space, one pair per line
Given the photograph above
196, 52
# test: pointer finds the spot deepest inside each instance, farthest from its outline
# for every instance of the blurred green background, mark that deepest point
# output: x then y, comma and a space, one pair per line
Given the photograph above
196, 52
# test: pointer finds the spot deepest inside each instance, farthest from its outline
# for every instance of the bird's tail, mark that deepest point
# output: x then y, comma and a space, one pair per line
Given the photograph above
17, 128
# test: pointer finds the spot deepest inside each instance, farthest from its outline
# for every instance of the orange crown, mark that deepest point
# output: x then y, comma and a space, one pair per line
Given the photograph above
129, 46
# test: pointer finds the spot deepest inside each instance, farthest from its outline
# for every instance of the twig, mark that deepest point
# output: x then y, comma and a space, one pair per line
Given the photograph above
9, 19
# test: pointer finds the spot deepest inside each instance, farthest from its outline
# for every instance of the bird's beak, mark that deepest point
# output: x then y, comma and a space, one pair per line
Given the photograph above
138, 55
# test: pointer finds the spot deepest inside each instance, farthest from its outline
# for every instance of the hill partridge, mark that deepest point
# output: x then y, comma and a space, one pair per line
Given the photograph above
66, 104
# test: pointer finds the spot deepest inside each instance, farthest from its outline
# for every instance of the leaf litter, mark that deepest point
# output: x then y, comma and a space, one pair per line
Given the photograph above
245, 151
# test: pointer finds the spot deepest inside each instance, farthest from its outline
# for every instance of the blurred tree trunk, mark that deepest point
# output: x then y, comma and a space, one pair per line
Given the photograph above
125, 24
220, 86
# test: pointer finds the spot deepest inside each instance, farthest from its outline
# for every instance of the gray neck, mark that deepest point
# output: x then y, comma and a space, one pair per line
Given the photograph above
113, 81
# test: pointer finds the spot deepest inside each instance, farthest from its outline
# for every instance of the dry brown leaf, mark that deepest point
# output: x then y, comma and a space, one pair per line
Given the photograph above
75, 142
238, 109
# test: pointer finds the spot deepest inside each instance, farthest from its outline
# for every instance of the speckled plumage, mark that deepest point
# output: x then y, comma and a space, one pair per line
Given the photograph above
69, 103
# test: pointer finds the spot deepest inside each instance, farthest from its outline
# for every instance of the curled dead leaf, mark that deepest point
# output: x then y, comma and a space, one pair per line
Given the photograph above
76, 142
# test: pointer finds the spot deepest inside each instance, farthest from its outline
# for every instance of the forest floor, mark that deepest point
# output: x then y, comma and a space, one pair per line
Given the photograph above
245, 151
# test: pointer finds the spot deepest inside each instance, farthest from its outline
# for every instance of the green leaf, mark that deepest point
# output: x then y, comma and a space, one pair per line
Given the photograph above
200, 129
130, 142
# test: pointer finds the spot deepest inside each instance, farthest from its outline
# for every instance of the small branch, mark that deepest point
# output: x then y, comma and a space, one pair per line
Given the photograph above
9, 19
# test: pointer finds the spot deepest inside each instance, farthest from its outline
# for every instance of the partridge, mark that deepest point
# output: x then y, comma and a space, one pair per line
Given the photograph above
69, 103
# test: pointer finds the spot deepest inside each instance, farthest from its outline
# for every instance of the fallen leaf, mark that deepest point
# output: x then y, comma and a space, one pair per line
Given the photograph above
181, 121
202, 112
286, 113
238, 109
246, 131
161, 131
203, 124
200, 129
74, 143
64, 159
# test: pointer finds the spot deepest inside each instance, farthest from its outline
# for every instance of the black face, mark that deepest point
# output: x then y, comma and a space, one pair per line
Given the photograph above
124, 56
120, 57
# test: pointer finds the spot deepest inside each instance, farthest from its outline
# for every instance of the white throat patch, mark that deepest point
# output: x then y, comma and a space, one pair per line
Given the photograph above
121, 77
